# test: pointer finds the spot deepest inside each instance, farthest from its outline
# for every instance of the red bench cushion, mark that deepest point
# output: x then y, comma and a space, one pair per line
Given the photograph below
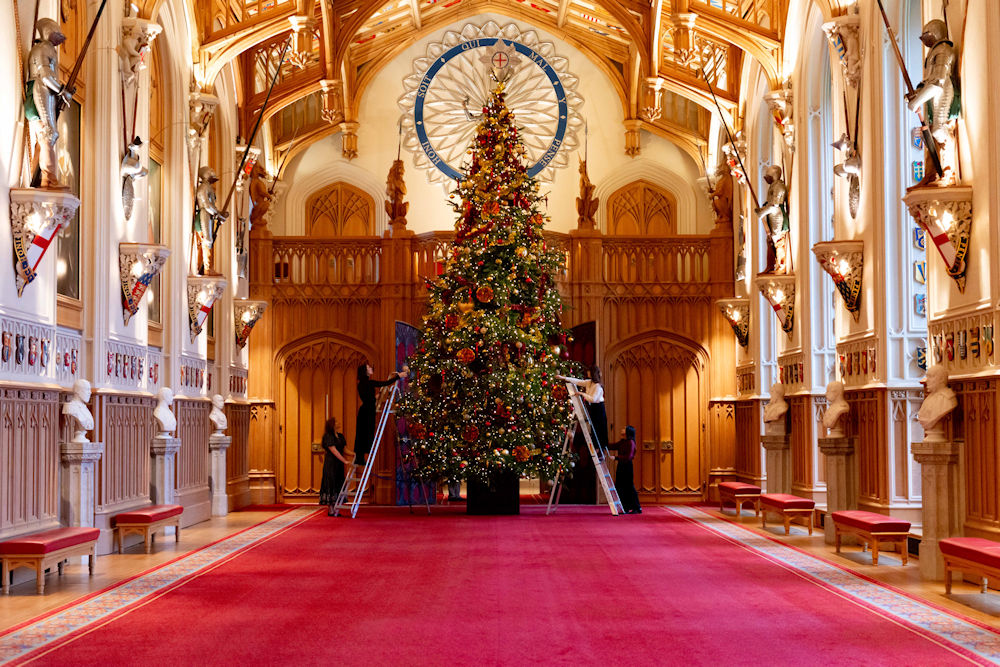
148, 514
871, 521
785, 501
738, 487
48, 541
977, 549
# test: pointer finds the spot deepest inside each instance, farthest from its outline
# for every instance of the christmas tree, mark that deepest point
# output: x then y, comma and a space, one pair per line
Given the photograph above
486, 400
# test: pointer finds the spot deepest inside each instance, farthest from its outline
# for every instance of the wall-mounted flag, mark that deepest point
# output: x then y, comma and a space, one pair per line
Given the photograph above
916, 138
920, 304
917, 170
922, 358
920, 271
919, 238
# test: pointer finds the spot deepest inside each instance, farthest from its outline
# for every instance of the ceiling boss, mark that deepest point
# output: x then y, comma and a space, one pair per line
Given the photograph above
448, 87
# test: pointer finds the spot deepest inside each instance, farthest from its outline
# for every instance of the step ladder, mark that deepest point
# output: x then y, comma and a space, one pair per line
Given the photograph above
357, 479
582, 420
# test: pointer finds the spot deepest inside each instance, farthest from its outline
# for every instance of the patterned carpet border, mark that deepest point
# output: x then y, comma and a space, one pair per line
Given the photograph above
966, 634
42, 632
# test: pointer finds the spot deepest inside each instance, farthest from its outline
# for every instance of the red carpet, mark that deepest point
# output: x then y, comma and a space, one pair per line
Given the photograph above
579, 587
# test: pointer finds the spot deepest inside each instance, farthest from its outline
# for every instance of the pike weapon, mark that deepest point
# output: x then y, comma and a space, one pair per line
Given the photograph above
722, 117
75, 73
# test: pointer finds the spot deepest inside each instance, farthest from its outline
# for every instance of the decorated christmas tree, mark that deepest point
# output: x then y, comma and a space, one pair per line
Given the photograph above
486, 400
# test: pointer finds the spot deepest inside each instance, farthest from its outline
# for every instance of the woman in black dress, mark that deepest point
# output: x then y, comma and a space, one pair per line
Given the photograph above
364, 434
593, 394
333, 465
625, 474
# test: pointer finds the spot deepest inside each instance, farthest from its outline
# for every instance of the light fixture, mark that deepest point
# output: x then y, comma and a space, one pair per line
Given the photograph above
737, 313
779, 290
138, 264
202, 292
36, 216
945, 213
245, 315
844, 261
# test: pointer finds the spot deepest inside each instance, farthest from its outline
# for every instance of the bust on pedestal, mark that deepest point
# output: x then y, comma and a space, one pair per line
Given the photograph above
164, 449
938, 459
78, 458
218, 444
841, 466
775, 441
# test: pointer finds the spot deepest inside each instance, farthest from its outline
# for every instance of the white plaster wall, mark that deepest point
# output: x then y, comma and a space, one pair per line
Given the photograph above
661, 161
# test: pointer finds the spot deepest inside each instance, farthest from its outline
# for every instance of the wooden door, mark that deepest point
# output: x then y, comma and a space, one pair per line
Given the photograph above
317, 379
656, 383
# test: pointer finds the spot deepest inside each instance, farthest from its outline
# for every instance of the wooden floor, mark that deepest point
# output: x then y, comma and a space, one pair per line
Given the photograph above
23, 604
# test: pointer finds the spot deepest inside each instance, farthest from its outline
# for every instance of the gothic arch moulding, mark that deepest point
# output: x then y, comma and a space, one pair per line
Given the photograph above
340, 209
686, 218
302, 189
642, 209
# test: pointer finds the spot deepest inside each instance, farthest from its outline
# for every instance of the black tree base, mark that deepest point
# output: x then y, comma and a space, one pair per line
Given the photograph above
500, 496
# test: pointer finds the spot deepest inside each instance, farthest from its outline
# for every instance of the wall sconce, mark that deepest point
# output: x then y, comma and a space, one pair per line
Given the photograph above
202, 291
246, 313
845, 262
945, 213
36, 216
737, 313
780, 293
138, 264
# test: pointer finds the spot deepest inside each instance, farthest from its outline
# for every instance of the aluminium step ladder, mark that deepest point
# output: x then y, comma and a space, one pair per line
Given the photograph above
356, 482
582, 419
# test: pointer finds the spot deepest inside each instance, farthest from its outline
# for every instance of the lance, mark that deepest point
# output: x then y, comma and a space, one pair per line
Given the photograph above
284, 160
253, 134
71, 81
932, 147
722, 117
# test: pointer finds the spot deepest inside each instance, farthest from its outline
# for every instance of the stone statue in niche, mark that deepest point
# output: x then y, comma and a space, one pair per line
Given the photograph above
836, 408
209, 217
261, 196
722, 196
163, 414
78, 413
41, 99
217, 416
586, 203
775, 213
939, 94
939, 400
395, 191
776, 407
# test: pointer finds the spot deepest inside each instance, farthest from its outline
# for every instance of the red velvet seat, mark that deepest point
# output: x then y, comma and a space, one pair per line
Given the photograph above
789, 507
871, 521
739, 493
40, 551
48, 541
970, 555
148, 514
739, 487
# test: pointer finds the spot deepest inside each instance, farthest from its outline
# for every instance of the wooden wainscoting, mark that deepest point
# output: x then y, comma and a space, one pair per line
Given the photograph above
868, 421
238, 456
29, 460
263, 481
806, 458
749, 453
194, 459
722, 443
979, 401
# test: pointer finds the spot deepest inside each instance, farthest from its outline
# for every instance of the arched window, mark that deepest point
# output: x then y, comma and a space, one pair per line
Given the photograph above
642, 209
340, 209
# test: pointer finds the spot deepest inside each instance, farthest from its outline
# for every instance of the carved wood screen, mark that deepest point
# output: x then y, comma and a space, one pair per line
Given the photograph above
868, 418
748, 448
238, 454
193, 460
340, 210
657, 385
642, 209
29, 460
125, 425
979, 401
317, 379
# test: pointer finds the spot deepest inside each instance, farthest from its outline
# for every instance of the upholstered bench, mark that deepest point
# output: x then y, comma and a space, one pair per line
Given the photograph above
146, 521
872, 528
739, 493
43, 550
789, 507
970, 555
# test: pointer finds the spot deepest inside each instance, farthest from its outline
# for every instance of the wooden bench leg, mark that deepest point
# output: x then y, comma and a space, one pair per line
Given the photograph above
177, 531
40, 580
874, 550
836, 538
809, 522
947, 579
147, 538
788, 523
5, 570
91, 557
721, 501
763, 518
756, 507
904, 548
59, 566
986, 585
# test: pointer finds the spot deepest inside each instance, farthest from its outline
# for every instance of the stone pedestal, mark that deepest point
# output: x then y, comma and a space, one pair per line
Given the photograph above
163, 480
218, 444
778, 457
938, 459
77, 493
841, 479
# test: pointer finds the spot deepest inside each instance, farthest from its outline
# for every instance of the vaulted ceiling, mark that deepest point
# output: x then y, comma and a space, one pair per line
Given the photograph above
654, 51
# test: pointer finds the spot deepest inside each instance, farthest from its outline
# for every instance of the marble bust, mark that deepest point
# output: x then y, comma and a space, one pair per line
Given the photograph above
939, 400
836, 407
776, 407
162, 413
217, 416
77, 411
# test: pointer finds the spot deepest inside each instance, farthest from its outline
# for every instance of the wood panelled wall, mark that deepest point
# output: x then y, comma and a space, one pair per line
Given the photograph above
238, 456
808, 465
125, 425
979, 402
749, 453
868, 419
29, 460
193, 459
334, 301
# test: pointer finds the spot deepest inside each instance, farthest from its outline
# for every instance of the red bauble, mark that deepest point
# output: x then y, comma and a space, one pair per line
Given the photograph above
451, 321
484, 294
470, 433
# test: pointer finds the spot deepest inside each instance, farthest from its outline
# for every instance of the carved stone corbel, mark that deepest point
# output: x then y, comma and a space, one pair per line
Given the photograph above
138, 264
303, 29
780, 104
780, 293
684, 41
652, 97
202, 292
201, 110
136, 39
333, 100
843, 34
632, 146
349, 137
945, 213
36, 216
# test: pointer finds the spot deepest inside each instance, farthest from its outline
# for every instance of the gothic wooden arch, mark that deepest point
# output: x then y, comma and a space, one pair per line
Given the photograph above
641, 208
340, 209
